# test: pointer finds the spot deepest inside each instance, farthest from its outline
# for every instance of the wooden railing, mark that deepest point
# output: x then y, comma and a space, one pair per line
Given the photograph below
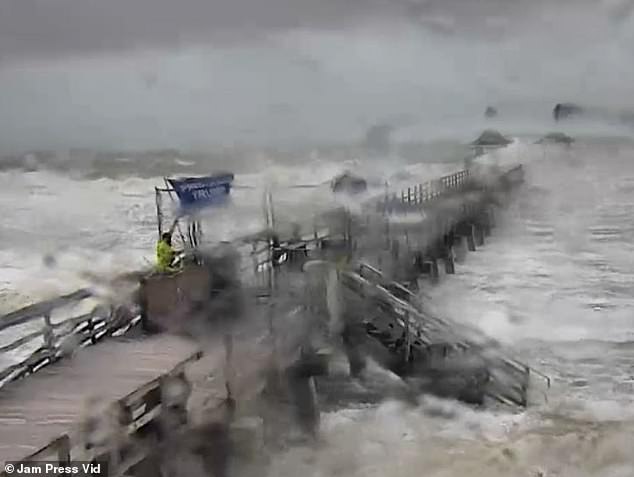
427, 191
446, 185
412, 316
57, 339
45, 341
434, 189
38, 340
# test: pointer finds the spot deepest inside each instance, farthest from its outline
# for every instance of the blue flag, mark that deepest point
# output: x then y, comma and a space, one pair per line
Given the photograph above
198, 192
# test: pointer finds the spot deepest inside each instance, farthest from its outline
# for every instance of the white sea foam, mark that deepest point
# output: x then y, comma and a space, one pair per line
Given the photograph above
58, 230
552, 282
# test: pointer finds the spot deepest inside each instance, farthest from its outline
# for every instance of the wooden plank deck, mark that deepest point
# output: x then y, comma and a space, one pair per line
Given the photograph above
50, 403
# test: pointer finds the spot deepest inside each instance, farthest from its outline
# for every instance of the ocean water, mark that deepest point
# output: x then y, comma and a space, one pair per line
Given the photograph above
65, 223
554, 283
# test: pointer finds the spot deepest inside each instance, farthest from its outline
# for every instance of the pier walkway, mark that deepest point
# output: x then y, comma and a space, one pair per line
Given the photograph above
58, 361
48, 406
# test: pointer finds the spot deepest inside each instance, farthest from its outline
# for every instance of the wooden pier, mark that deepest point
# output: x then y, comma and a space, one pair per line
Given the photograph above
48, 405
58, 366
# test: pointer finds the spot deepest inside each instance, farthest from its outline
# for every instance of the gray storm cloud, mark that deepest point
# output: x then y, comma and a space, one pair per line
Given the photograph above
49, 28
196, 73
57, 27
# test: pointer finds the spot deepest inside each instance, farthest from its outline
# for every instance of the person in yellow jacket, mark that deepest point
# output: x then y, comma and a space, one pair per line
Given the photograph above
343, 263
164, 252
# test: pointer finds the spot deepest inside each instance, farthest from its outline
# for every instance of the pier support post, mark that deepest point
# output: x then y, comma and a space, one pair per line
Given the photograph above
448, 252
471, 238
479, 234
449, 239
467, 230
448, 258
395, 249
460, 248
433, 269
301, 386
356, 359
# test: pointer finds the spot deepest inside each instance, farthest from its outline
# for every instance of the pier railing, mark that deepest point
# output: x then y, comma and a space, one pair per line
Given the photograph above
427, 191
434, 189
408, 315
31, 339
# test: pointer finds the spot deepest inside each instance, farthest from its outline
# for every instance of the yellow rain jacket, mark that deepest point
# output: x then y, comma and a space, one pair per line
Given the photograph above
164, 256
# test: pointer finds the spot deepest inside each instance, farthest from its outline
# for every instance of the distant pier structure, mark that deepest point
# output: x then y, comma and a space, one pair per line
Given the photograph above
84, 382
490, 112
566, 111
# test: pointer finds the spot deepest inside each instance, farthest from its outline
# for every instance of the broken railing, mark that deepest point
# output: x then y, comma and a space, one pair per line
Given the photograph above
405, 313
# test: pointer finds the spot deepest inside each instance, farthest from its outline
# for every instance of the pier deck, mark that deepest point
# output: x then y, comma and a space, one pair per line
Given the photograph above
40, 416
49, 404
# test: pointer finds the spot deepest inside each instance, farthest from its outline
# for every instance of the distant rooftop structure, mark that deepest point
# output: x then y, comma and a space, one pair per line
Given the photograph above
566, 110
491, 138
556, 138
348, 183
490, 112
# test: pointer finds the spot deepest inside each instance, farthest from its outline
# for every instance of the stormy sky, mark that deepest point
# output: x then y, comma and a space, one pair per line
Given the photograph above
52, 28
194, 73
